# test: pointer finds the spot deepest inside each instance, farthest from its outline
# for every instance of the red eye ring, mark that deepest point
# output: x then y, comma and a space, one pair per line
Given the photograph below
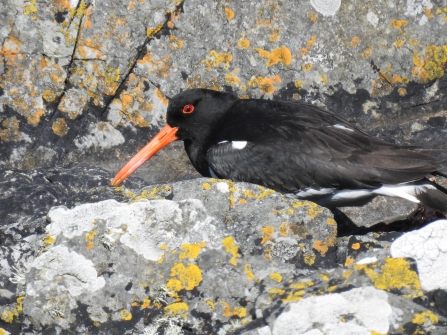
188, 109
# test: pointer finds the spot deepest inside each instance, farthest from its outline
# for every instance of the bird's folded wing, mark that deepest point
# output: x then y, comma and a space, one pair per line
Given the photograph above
319, 157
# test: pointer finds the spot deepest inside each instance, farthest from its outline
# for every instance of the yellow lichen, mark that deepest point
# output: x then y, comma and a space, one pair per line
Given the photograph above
309, 259
49, 96
7, 316
211, 304
189, 276
394, 274
214, 59
60, 127
267, 233
294, 296
440, 54
126, 315
307, 67
276, 277
250, 274
146, 303
151, 32
237, 311
313, 17
29, 10
434, 71
284, 229
112, 75
206, 186
89, 237
191, 251
230, 247
276, 290
425, 317
323, 78
177, 309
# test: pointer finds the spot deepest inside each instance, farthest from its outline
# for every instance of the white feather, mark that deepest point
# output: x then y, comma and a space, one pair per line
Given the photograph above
222, 142
342, 127
238, 144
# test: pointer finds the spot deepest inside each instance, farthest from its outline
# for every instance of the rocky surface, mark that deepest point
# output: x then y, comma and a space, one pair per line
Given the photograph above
85, 84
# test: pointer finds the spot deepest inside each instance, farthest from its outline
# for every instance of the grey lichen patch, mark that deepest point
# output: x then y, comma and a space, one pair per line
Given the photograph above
77, 273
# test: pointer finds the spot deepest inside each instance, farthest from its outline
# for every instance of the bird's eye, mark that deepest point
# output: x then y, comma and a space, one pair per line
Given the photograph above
188, 109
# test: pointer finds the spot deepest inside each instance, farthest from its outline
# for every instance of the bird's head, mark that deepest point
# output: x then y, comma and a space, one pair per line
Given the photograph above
191, 116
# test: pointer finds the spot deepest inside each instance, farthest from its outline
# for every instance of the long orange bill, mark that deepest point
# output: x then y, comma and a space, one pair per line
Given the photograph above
162, 139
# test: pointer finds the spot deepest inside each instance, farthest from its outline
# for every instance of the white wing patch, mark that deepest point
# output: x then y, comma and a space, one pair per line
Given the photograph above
222, 142
238, 144
342, 127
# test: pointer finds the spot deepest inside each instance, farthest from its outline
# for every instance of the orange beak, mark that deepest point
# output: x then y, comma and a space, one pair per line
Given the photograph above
162, 139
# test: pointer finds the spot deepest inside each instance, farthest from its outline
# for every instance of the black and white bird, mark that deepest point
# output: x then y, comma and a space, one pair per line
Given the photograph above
294, 148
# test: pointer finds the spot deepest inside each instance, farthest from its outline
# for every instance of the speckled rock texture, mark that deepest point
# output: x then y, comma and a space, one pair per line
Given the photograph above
85, 84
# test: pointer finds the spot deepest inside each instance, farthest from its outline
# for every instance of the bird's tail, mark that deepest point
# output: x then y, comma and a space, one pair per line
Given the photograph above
424, 192
434, 196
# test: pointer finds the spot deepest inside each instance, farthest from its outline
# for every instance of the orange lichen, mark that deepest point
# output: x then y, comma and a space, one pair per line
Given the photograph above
243, 43
367, 52
402, 92
161, 97
323, 78
355, 246
229, 13
175, 43
274, 36
60, 127
313, 17
89, 238
215, 59
414, 42
349, 261
231, 79
399, 43
237, 311
265, 84
151, 32
311, 41
398, 23
355, 41
279, 55
428, 13
284, 229
34, 118
321, 246
49, 96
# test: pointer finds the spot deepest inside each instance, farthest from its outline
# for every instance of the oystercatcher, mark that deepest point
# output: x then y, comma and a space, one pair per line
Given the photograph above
294, 148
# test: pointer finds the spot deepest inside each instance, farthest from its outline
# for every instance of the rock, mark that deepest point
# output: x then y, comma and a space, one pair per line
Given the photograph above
380, 210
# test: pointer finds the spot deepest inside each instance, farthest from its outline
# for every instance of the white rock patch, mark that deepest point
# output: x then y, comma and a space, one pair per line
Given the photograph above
326, 7
101, 135
372, 18
328, 310
428, 246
